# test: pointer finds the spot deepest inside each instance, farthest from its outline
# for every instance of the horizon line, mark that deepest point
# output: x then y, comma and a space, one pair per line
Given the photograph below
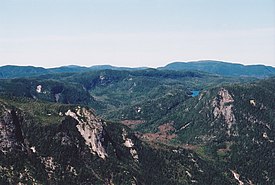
118, 66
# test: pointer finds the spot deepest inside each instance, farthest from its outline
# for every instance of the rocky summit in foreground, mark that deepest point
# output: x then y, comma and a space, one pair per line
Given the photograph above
44, 143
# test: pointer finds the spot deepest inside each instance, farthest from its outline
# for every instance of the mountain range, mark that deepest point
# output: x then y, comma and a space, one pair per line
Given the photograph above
214, 67
185, 123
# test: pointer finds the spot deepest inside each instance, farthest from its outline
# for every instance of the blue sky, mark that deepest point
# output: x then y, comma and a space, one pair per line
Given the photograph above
136, 32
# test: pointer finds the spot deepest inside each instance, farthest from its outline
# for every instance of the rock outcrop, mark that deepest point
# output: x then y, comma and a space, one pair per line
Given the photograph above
223, 108
91, 129
10, 132
129, 144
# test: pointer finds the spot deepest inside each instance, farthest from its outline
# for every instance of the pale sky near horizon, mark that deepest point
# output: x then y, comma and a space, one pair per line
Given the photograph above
133, 33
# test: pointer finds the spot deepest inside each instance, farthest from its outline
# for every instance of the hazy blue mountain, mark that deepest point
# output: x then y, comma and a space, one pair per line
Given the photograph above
68, 69
10, 71
223, 68
104, 67
215, 67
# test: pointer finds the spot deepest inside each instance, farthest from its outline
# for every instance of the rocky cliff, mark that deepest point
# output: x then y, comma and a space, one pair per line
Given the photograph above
44, 143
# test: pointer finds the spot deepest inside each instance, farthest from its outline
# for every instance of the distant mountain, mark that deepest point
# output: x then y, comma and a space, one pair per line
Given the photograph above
215, 67
68, 69
223, 68
104, 67
10, 71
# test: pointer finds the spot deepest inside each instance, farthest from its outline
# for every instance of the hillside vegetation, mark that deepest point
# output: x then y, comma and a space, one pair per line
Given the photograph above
138, 126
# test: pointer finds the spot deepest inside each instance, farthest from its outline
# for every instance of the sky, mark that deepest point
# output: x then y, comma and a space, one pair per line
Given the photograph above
134, 33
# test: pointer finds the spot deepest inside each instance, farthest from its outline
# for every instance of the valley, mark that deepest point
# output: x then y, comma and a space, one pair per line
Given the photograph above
106, 125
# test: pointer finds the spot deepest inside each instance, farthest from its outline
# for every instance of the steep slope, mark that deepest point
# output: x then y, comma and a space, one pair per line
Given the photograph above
232, 125
48, 90
44, 143
223, 68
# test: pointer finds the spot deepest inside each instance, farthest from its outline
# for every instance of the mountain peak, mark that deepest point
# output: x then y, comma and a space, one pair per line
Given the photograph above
222, 68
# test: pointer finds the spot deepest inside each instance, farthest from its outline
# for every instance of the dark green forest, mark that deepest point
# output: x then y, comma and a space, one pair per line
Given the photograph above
138, 126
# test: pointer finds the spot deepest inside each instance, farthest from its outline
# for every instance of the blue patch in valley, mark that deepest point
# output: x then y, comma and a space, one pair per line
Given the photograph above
195, 93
